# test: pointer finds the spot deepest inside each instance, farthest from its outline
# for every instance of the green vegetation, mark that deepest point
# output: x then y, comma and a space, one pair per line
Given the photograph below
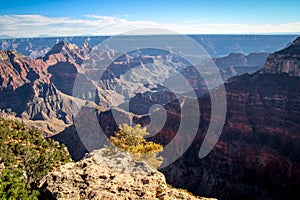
132, 140
26, 157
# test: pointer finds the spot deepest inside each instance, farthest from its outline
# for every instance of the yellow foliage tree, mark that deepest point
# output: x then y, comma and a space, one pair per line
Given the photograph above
132, 140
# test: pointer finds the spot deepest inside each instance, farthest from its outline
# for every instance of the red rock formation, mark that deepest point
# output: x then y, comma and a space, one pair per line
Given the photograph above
257, 156
27, 90
66, 52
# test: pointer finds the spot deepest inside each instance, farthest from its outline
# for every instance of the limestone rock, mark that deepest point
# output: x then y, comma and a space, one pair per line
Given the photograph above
109, 174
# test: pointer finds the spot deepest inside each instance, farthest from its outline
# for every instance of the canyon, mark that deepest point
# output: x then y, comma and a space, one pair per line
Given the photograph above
257, 155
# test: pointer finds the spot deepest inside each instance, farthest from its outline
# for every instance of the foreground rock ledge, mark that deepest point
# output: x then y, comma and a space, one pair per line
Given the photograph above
109, 174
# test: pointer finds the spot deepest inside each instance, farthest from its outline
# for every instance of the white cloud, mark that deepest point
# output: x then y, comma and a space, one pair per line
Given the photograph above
35, 25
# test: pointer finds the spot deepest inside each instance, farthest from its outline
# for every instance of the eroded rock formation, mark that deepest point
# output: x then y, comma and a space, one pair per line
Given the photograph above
109, 173
27, 90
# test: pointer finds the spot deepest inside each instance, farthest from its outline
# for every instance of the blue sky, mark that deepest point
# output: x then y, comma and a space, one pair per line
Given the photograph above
39, 17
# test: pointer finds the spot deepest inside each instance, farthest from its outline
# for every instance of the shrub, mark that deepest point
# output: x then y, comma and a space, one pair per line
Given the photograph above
13, 186
132, 140
26, 157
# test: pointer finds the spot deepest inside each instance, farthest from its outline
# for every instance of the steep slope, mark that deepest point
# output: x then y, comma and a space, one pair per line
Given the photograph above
66, 52
285, 61
26, 89
237, 64
132, 73
120, 79
64, 62
257, 156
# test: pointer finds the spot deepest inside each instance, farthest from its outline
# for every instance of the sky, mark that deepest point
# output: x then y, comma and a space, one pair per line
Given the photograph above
34, 18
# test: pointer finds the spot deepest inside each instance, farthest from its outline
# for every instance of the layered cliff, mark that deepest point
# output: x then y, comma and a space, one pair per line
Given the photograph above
236, 64
65, 52
27, 90
285, 61
257, 155
35, 88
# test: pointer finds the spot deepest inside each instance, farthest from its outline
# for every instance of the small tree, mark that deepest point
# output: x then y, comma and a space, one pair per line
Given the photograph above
26, 157
132, 140
13, 186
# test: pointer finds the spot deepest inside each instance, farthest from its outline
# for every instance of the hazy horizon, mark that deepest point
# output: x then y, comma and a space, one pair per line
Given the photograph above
22, 19
4, 37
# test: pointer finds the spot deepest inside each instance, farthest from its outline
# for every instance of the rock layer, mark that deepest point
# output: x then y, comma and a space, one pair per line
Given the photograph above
285, 61
257, 155
27, 90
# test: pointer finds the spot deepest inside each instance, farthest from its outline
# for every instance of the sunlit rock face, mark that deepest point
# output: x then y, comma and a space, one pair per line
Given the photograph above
107, 174
26, 89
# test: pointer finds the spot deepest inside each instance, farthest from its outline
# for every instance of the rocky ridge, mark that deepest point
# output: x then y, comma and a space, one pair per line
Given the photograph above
109, 173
